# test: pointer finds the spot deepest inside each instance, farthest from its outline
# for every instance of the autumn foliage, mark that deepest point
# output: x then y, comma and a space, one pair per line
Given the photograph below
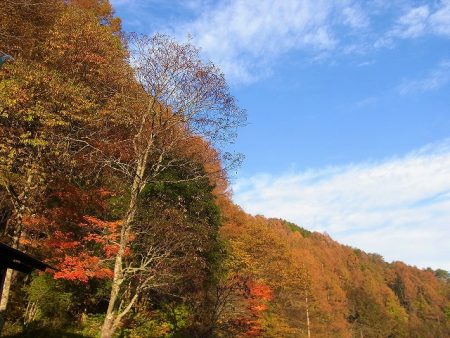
111, 171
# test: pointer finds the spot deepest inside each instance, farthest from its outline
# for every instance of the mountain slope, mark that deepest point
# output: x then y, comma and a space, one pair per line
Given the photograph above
344, 291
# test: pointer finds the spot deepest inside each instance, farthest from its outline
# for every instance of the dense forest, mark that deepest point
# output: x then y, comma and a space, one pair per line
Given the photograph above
111, 171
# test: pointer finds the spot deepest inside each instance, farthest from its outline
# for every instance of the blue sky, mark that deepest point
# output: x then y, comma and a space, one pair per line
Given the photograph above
349, 112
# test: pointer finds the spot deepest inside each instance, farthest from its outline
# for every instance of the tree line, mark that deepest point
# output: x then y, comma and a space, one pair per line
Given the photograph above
111, 170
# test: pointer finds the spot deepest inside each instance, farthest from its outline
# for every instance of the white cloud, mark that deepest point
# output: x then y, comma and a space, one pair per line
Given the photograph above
435, 79
422, 20
440, 19
355, 17
245, 36
399, 207
413, 23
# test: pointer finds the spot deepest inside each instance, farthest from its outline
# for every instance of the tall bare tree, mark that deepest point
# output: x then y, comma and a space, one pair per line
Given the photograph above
183, 98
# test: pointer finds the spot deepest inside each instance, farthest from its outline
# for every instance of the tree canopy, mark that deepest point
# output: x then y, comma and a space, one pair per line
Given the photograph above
112, 169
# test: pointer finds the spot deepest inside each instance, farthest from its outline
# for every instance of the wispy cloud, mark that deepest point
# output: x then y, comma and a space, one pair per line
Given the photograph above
246, 37
399, 207
440, 19
355, 16
435, 79
412, 24
150, 16
420, 21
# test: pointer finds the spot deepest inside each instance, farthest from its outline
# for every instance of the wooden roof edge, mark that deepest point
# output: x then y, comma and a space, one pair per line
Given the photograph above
24, 258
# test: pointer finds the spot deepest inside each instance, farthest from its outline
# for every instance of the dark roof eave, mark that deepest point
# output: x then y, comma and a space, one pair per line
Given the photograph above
15, 258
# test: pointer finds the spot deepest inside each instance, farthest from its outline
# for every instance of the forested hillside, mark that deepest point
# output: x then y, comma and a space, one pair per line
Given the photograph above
112, 171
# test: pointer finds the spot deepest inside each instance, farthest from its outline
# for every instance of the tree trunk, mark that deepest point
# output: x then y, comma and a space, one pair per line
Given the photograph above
30, 313
2, 279
107, 328
20, 207
5, 291
307, 317
110, 323
15, 245
6, 287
